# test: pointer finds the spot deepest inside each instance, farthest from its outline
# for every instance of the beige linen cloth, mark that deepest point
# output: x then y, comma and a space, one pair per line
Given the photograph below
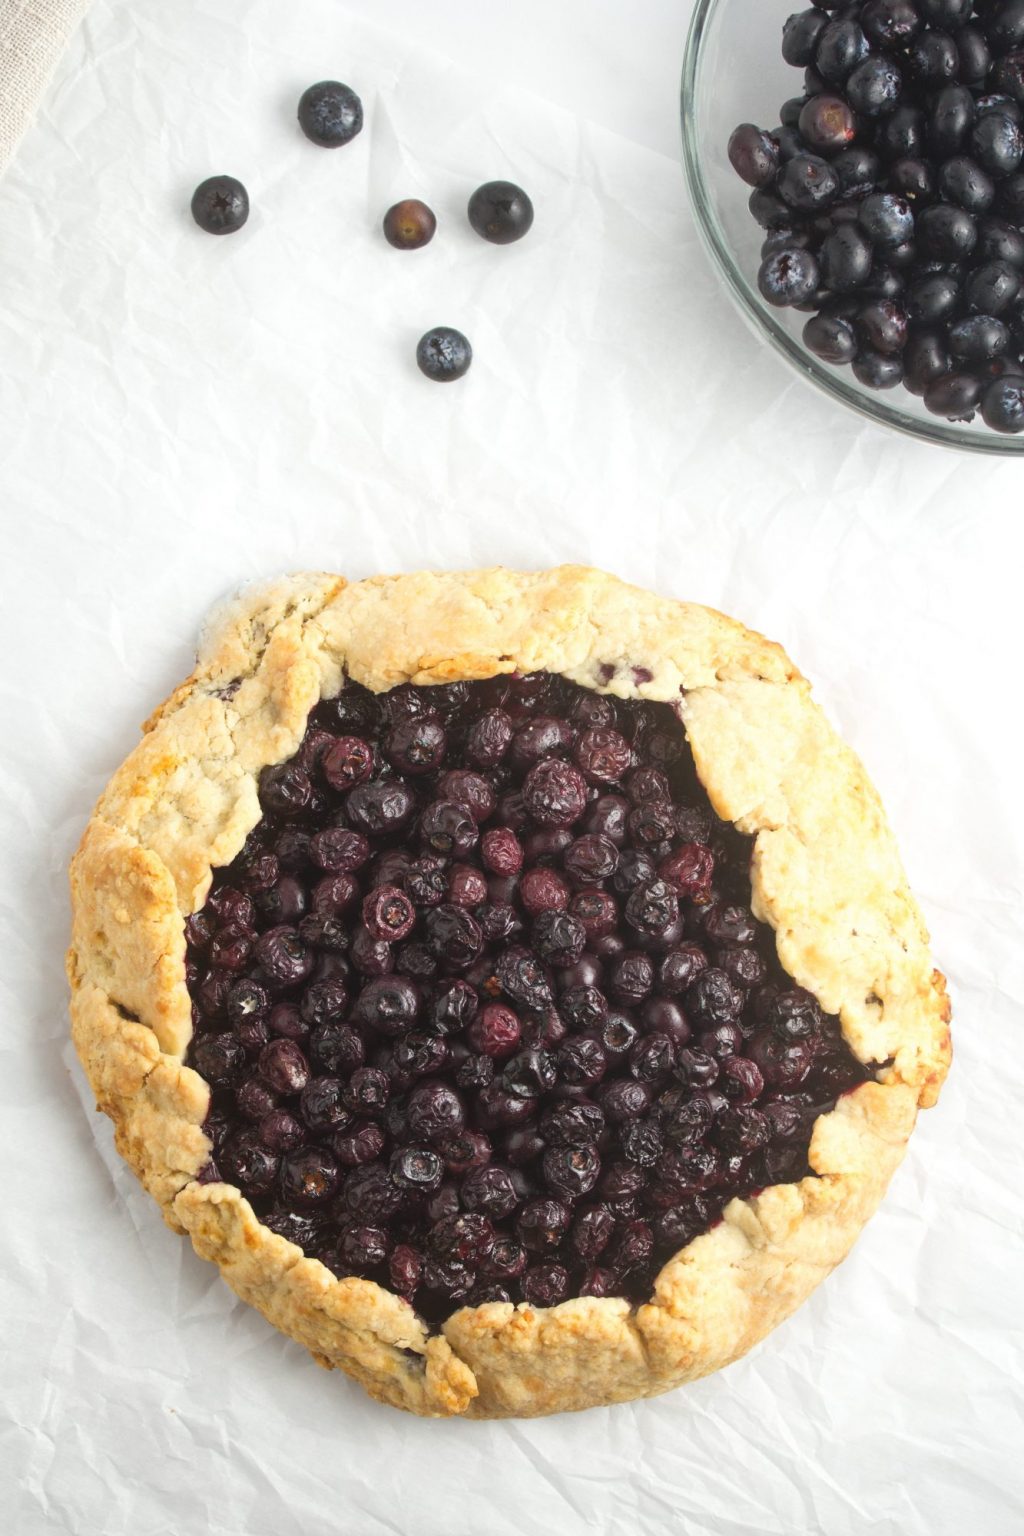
32, 38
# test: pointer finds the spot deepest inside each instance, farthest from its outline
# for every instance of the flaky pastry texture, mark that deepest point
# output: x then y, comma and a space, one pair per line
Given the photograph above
826, 876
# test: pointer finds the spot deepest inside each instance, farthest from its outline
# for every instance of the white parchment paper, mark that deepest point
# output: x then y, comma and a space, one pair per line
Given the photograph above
178, 414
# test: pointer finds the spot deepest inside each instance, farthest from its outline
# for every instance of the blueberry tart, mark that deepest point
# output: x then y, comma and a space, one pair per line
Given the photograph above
508, 980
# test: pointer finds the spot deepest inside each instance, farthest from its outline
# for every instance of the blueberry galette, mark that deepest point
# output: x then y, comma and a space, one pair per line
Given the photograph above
508, 980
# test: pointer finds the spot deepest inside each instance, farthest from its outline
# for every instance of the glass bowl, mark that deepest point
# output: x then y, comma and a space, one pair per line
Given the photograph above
734, 73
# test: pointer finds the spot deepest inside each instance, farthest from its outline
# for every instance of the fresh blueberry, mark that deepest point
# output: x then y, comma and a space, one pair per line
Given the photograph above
955, 396
330, 114
842, 45
877, 371
886, 219
409, 225
890, 24
501, 212
997, 143
800, 36
857, 169
932, 59
443, 354
808, 183
753, 155
902, 134
974, 55
845, 259
873, 88
950, 121
978, 338
963, 182
925, 359
992, 288
220, 205
1002, 405
1004, 26
945, 233
827, 123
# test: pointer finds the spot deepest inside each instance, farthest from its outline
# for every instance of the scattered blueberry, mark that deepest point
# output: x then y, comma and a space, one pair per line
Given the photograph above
443, 354
330, 114
410, 224
501, 212
220, 205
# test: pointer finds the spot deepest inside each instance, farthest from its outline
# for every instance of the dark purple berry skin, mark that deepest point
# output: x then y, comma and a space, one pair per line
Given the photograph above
482, 1005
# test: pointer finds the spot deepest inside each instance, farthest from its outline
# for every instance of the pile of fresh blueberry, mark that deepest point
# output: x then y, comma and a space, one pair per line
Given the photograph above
483, 1007
330, 115
892, 195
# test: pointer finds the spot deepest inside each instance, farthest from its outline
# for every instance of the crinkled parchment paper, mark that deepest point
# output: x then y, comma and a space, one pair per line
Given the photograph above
180, 414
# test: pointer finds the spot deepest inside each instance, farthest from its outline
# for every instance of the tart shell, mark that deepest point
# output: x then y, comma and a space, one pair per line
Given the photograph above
825, 875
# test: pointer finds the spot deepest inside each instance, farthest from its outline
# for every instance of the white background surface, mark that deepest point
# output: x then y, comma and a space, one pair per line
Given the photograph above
178, 414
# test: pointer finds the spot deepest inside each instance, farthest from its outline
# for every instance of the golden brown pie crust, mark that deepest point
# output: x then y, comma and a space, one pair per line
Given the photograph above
826, 876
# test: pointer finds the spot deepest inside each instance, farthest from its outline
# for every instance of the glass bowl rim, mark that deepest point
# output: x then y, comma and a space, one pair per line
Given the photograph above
758, 316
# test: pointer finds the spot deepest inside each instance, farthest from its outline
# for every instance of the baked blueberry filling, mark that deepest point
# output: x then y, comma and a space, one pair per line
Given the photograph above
482, 1004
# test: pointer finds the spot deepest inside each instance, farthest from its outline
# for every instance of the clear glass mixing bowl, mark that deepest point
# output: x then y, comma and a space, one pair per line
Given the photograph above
734, 73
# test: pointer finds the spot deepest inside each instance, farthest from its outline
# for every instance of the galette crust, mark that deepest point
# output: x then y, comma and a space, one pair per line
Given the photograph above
826, 876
